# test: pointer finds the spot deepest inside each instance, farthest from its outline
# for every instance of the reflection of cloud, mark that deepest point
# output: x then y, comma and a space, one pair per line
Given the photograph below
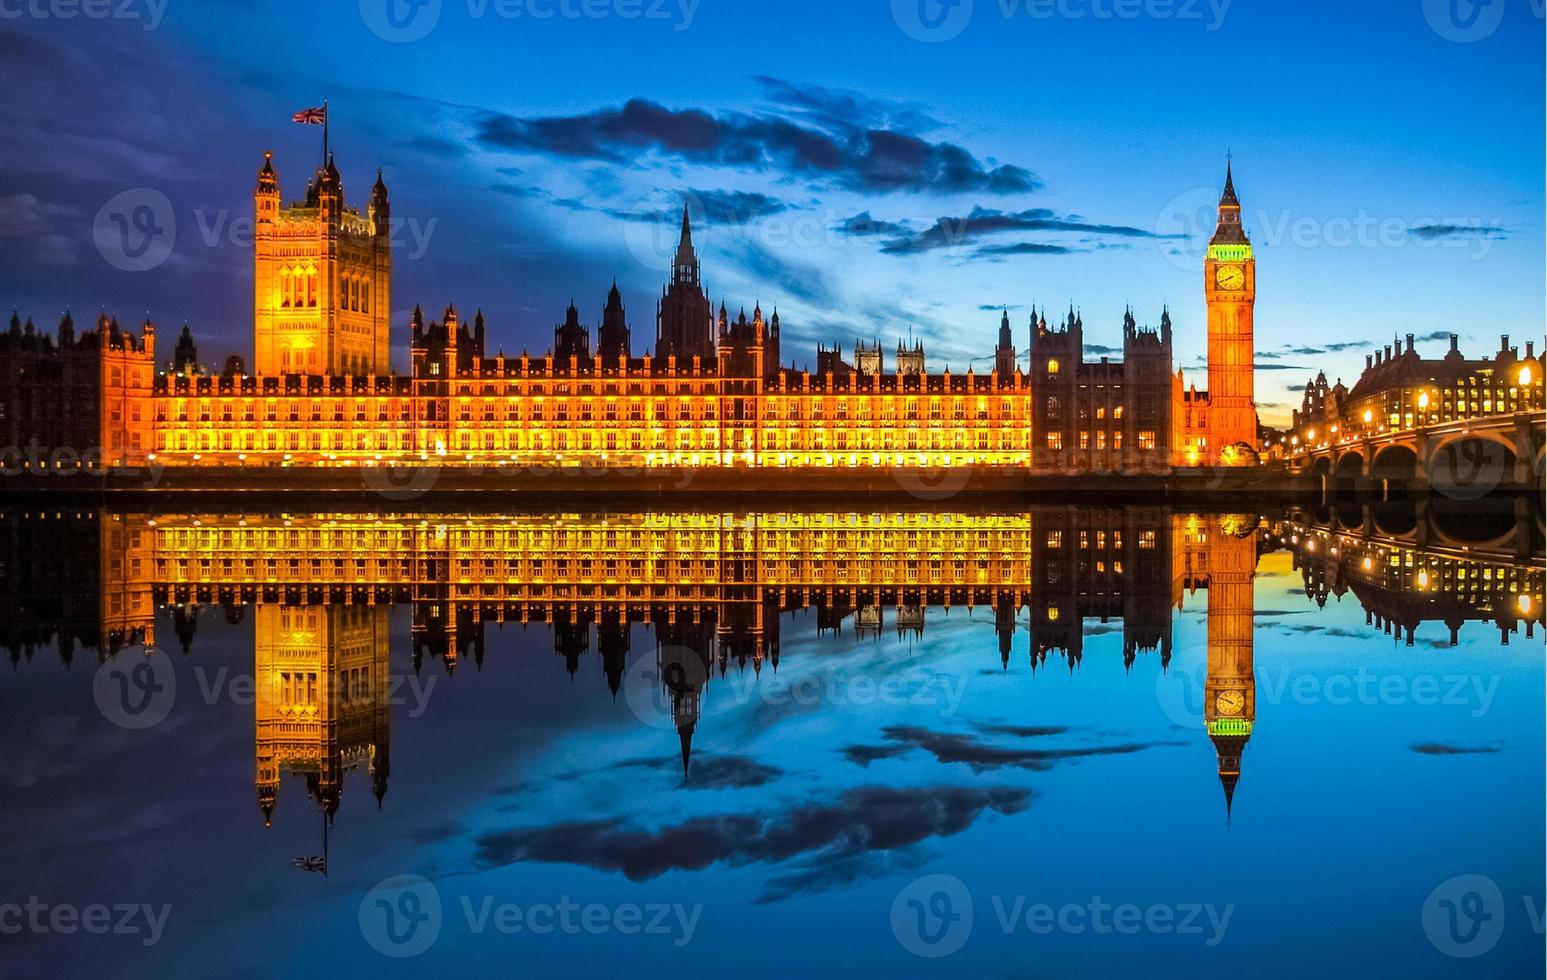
952, 748
713, 772
850, 832
1445, 748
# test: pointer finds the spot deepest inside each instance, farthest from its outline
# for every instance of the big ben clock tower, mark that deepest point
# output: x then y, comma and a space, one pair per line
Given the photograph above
1230, 286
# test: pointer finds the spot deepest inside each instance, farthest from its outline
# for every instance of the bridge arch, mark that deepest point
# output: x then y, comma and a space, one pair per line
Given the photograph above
1470, 464
1348, 473
1397, 463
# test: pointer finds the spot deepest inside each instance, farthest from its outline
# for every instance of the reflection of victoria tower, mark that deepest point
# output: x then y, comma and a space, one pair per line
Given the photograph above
321, 705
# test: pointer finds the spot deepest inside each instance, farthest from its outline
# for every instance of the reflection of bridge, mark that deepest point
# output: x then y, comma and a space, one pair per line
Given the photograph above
1449, 424
1374, 552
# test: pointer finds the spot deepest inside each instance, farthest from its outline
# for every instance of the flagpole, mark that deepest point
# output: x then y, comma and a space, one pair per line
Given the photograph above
324, 132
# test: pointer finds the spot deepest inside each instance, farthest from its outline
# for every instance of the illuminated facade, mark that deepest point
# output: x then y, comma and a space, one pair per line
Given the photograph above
1219, 427
714, 391
322, 279
1400, 389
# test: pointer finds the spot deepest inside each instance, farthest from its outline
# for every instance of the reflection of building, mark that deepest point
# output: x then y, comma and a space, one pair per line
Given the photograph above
1221, 555
713, 590
321, 674
713, 393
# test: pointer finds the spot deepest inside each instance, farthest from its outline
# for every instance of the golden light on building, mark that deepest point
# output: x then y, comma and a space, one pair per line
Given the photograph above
712, 393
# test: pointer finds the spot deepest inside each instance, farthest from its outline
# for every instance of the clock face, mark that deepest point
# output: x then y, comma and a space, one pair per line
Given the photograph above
1230, 702
1230, 277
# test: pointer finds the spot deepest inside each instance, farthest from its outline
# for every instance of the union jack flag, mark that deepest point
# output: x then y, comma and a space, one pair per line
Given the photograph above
311, 117
315, 863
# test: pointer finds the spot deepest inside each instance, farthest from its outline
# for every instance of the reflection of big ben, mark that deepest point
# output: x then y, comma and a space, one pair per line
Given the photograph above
321, 699
1230, 693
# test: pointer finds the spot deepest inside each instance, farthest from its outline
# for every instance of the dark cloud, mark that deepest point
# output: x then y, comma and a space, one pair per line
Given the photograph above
1430, 233
719, 208
1445, 748
714, 772
1097, 350
434, 833
868, 820
1024, 248
864, 755
863, 225
950, 232
836, 109
852, 157
979, 756
1024, 731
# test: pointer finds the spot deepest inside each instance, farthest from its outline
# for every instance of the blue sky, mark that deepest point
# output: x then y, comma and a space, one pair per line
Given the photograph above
1389, 158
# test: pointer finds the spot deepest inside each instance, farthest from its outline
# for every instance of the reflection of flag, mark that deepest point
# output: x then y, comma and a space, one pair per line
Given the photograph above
315, 863
311, 117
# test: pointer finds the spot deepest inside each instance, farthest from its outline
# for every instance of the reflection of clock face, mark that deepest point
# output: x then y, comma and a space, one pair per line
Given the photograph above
1230, 277
1230, 702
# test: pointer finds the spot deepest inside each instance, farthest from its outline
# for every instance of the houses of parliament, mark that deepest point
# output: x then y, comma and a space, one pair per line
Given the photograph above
712, 391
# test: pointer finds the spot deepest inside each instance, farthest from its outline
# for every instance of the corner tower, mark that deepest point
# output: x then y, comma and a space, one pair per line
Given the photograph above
1230, 286
322, 279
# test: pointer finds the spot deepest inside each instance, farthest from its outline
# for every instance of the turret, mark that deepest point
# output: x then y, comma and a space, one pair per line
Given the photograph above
612, 340
380, 211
